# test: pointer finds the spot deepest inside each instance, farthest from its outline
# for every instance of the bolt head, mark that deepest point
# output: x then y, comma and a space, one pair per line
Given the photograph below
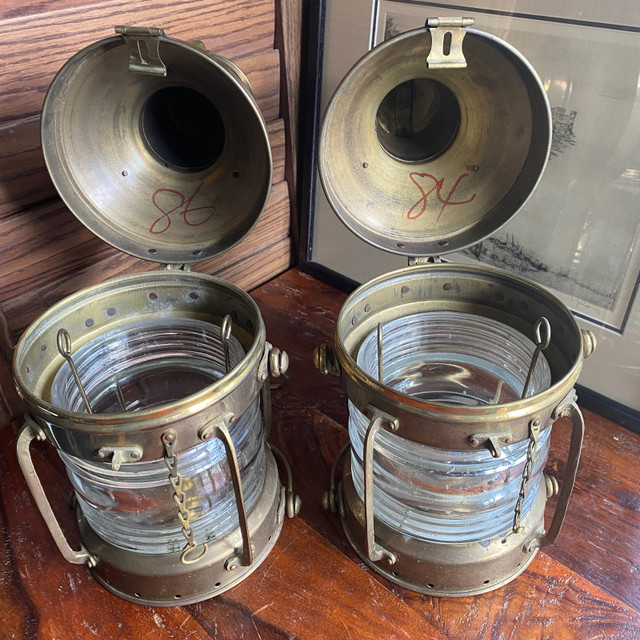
231, 564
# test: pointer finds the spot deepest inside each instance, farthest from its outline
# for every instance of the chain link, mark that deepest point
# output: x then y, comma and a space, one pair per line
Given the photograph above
180, 498
534, 433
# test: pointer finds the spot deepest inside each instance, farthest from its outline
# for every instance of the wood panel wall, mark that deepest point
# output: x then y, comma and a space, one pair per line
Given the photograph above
45, 253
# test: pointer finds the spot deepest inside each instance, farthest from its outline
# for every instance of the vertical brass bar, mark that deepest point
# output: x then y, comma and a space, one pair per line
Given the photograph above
222, 433
380, 372
542, 342
225, 333
375, 551
64, 347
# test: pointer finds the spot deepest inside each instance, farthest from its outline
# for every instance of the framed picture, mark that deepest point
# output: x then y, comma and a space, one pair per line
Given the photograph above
579, 233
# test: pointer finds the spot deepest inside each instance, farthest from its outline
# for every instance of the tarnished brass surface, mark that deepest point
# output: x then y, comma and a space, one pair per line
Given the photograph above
174, 168
465, 288
102, 308
441, 569
162, 580
423, 161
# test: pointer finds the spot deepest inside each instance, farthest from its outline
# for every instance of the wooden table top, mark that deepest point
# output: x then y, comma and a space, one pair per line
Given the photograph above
313, 585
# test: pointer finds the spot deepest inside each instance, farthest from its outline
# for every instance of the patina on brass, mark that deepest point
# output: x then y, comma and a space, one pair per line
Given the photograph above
401, 186
420, 157
173, 168
159, 148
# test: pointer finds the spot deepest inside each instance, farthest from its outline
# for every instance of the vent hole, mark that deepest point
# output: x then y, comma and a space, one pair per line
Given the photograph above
183, 128
418, 120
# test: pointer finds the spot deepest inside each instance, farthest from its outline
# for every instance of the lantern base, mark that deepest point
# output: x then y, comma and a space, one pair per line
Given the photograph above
163, 580
436, 568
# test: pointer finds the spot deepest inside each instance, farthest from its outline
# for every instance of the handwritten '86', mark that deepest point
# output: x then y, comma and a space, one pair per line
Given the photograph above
163, 199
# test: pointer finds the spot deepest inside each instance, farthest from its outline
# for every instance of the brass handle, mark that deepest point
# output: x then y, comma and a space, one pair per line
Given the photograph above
375, 551
29, 432
292, 501
568, 408
221, 432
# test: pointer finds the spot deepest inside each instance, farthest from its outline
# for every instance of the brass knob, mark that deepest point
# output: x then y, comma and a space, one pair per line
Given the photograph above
278, 362
552, 485
589, 342
324, 360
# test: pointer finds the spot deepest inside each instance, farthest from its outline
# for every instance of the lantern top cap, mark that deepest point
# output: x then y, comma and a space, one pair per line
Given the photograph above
420, 157
157, 146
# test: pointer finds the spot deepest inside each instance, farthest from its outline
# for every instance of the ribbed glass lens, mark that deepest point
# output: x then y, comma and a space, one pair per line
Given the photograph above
453, 359
133, 507
145, 364
142, 365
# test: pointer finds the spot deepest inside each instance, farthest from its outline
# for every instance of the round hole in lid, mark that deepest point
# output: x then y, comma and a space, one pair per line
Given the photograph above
183, 128
418, 120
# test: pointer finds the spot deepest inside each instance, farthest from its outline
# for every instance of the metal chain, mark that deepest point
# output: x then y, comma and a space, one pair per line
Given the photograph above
180, 498
534, 433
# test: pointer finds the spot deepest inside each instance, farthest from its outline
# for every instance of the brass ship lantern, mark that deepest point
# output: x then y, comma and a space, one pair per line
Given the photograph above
154, 387
454, 372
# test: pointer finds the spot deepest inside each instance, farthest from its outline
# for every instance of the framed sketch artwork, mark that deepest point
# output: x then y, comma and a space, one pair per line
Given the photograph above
579, 233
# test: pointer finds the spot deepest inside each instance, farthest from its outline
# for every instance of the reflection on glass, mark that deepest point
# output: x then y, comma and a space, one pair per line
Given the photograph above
452, 359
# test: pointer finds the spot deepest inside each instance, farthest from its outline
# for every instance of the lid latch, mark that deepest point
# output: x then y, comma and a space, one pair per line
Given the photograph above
144, 49
447, 35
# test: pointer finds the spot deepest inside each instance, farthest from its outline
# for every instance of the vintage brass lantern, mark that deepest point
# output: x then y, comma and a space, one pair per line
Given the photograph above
154, 387
455, 373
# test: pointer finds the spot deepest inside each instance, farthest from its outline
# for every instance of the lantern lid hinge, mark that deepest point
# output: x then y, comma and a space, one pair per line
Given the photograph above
174, 267
447, 35
144, 49
415, 260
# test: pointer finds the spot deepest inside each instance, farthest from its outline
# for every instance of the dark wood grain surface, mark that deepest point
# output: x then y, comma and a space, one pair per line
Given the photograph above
312, 585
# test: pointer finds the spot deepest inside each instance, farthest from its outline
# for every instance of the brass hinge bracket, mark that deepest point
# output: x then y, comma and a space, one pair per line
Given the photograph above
174, 267
447, 35
415, 260
144, 49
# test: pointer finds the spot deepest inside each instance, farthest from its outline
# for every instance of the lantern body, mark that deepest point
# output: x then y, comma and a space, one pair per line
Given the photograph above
153, 387
454, 373
153, 361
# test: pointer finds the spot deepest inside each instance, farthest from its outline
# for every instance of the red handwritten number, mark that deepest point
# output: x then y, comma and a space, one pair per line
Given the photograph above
416, 212
162, 198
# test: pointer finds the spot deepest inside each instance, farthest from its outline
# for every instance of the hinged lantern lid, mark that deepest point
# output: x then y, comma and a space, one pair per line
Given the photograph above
434, 139
157, 146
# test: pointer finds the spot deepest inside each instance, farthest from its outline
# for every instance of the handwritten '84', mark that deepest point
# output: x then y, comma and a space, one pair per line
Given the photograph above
425, 180
164, 199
